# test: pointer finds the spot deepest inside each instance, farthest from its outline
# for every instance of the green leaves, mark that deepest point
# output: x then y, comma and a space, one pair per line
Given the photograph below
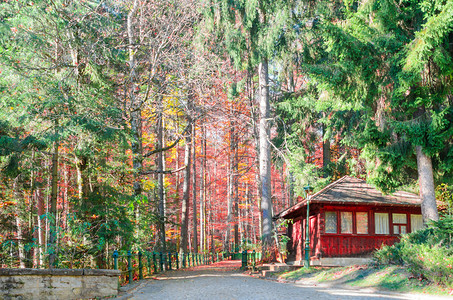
392, 63
251, 30
428, 41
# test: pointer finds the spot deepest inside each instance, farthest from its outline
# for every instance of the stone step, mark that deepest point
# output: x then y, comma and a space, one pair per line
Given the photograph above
262, 267
267, 273
278, 267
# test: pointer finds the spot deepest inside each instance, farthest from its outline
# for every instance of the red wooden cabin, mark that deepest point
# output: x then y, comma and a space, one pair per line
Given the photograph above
348, 220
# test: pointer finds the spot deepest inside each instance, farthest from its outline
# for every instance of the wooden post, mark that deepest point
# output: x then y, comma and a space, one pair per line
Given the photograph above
307, 237
140, 265
129, 265
115, 260
244, 260
148, 257
154, 262
161, 262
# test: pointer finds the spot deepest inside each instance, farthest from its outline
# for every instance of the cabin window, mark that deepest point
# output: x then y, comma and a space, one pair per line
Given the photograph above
346, 222
331, 222
362, 222
399, 223
381, 223
416, 222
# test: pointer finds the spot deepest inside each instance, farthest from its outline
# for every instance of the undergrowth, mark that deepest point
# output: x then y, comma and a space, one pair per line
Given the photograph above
427, 253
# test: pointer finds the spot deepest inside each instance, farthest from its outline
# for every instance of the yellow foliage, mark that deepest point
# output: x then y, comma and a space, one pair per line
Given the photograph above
148, 185
166, 182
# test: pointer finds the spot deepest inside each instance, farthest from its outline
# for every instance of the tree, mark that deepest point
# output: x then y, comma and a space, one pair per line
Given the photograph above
386, 63
58, 65
250, 32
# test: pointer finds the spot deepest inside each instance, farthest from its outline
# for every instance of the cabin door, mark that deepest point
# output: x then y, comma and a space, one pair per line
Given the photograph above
296, 241
313, 235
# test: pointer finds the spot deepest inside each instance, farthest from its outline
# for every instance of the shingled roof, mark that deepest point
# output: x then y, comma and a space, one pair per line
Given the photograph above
350, 190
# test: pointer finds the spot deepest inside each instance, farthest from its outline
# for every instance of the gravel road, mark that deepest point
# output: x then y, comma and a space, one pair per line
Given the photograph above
224, 281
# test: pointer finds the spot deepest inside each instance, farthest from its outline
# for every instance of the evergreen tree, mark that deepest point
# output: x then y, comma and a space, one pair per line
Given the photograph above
58, 89
384, 60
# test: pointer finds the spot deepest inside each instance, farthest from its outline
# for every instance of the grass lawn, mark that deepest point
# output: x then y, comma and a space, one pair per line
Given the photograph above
391, 278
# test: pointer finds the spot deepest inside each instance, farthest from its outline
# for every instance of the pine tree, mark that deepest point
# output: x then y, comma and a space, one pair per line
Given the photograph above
385, 61
53, 69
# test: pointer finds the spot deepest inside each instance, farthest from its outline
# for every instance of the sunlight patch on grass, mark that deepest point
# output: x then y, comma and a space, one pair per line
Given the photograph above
298, 274
391, 278
337, 274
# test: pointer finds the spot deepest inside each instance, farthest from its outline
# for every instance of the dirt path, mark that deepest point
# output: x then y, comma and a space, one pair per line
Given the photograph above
223, 280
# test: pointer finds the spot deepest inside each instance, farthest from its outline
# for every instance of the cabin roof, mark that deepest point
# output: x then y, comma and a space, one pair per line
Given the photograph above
354, 191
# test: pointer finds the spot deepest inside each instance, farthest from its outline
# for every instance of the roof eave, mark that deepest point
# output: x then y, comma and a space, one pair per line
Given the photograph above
303, 204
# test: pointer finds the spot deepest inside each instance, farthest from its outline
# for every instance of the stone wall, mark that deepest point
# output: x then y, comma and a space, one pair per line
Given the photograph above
57, 283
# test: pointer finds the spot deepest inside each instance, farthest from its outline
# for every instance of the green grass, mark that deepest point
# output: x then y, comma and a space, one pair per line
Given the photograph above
390, 278
298, 274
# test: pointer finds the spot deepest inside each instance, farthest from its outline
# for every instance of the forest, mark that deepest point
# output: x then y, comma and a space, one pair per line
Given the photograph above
186, 125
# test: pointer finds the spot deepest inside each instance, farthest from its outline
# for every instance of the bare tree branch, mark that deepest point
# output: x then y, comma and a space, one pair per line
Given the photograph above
168, 147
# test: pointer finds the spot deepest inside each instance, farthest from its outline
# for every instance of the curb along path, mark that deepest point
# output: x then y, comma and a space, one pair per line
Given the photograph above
224, 280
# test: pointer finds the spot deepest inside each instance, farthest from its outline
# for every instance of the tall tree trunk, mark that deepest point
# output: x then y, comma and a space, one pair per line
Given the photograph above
135, 113
53, 206
19, 236
380, 122
211, 223
194, 191
208, 212
65, 206
326, 156
160, 181
203, 192
256, 137
32, 208
81, 164
291, 180
178, 199
283, 189
227, 247
247, 214
290, 80
265, 162
290, 175
212, 210
426, 182
325, 150
41, 227
235, 177
233, 188
186, 185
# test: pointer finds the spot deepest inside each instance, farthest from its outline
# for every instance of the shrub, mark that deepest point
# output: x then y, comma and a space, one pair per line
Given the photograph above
427, 253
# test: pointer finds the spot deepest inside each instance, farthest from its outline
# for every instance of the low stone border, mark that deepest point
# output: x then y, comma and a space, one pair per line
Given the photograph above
58, 283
